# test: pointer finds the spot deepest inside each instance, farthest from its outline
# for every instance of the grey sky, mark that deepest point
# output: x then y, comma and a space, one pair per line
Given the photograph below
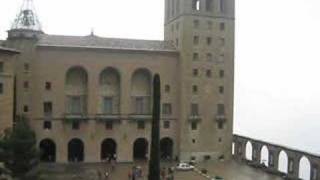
277, 95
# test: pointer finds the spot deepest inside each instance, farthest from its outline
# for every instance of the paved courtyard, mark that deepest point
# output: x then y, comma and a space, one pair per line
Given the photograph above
229, 170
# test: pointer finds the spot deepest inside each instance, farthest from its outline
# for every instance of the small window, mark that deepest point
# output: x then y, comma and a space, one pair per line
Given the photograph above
196, 24
195, 72
109, 125
221, 89
209, 5
220, 140
195, 89
47, 109
48, 86
166, 109
47, 125
220, 125
196, 5
141, 124
26, 85
209, 73
166, 124
221, 73
209, 41
195, 56
75, 125
1, 67
194, 109
222, 26
1, 88
209, 57
194, 125
26, 67
167, 88
25, 108
196, 40
220, 109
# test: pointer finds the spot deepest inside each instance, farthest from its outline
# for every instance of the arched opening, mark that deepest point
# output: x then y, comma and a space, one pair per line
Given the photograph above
304, 168
140, 149
76, 91
249, 151
75, 150
141, 91
108, 149
110, 91
233, 148
283, 162
47, 150
264, 156
166, 148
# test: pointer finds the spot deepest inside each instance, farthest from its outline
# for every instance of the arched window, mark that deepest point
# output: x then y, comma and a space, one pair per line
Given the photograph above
264, 156
76, 86
283, 162
249, 151
304, 168
75, 150
47, 150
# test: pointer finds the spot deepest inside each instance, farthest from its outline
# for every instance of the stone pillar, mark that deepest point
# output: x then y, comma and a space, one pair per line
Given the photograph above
293, 164
256, 152
273, 158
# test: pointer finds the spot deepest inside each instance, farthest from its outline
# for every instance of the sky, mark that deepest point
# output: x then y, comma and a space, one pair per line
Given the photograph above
277, 92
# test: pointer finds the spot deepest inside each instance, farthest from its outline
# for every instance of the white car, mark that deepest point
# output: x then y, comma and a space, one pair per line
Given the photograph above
184, 167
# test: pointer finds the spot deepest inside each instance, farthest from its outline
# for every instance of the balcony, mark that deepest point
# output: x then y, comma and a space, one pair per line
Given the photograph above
221, 118
194, 118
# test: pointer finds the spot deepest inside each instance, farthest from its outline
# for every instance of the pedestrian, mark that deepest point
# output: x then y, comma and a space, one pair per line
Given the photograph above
130, 175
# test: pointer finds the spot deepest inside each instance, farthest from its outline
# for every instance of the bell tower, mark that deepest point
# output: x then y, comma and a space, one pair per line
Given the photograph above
203, 32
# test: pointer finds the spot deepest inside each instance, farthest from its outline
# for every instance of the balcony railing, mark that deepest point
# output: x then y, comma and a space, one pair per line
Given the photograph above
221, 118
194, 118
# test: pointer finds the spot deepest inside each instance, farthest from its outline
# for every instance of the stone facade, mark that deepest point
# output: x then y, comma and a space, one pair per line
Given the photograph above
89, 98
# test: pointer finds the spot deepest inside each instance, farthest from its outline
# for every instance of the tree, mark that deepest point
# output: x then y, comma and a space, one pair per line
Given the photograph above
18, 148
154, 163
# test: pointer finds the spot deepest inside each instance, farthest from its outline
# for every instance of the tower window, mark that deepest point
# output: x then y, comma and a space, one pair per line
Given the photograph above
208, 73
222, 26
195, 89
209, 41
47, 109
194, 109
166, 109
141, 124
167, 88
1, 67
220, 125
194, 126
166, 124
195, 72
209, 57
1, 88
209, 5
196, 24
195, 56
196, 40
196, 5
48, 86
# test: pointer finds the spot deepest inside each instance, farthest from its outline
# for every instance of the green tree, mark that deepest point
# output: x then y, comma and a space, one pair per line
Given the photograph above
18, 148
154, 163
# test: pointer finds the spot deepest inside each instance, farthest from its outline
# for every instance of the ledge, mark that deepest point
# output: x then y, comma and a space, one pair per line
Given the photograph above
220, 118
107, 117
140, 117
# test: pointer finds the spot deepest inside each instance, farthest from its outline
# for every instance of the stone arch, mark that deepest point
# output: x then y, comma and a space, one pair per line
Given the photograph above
141, 90
304, 168
140, 149
47, 150
109, 81
108, 149
166, 148
249, 151
76, 90
264, 155
283, 162
76, 150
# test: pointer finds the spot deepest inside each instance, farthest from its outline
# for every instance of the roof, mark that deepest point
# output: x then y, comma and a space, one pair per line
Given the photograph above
93, 41
8, 50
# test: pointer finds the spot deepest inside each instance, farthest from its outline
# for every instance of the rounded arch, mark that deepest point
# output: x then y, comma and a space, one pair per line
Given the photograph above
264, 155
304, 168
140, 149
109, 76
47, 150
76, 76
141, 82
166, 148
108, 149
75, 150
249, 151
283, 162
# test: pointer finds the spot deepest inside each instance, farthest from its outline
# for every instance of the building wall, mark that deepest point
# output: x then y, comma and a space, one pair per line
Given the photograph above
6, 97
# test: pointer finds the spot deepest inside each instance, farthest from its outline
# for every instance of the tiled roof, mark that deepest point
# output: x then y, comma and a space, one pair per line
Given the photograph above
108, 43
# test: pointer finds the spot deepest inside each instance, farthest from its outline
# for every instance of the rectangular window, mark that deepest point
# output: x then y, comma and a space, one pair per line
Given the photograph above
1, 88
220, 109
195, 56
221, 73
47, 125
75, 105
209, 73
221, 89
109, 125
194, 109
25, 108
209, 5
196, 40
166, 109
75, 125
167, 88
195, 89
1, 67
195, 72
47, 109
107, 105
141, 124
194, 125
220, 125
166, 124
48, 86
139, 105
209, 41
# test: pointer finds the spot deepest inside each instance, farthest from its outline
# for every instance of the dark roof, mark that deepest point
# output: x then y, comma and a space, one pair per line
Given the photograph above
8, 50
93, 41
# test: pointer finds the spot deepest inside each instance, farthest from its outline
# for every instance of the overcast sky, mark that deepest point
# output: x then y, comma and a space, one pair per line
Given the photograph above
277, 89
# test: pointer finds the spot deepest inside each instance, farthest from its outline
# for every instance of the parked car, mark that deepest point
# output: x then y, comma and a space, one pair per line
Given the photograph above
184, 167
